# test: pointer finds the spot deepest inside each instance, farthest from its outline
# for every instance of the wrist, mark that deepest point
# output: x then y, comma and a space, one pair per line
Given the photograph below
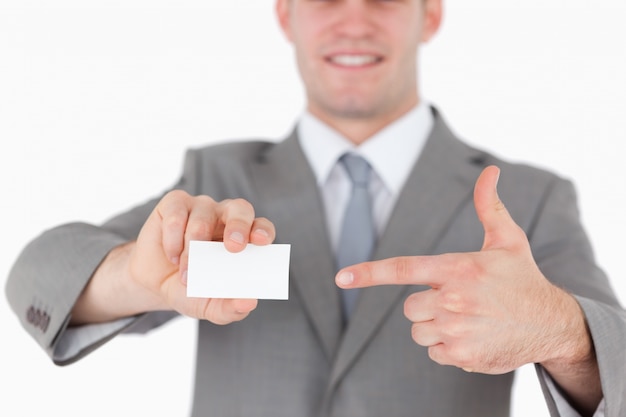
111, 292
571, 340
573, 365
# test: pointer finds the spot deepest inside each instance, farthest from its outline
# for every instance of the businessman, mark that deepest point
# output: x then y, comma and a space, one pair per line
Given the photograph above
486, 259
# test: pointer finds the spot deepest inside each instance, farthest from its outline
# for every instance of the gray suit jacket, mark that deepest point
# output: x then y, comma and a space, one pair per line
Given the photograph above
289, 358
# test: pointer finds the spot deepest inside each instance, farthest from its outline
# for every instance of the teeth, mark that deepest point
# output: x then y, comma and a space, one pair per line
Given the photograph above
353, 60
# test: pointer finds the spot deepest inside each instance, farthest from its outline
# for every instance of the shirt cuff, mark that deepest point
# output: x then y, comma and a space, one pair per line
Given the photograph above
564, 407
76, 339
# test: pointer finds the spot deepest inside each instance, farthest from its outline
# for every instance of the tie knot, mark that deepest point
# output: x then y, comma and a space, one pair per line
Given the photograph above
358, 169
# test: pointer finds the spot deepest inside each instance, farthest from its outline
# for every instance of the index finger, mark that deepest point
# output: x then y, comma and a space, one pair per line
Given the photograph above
403, 270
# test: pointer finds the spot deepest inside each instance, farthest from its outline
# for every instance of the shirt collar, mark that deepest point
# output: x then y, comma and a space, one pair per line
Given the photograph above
392, 152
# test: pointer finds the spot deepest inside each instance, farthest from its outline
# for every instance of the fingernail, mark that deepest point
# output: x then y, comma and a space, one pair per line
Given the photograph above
262, 232
183, 277
175, 260
237, 237
345, 278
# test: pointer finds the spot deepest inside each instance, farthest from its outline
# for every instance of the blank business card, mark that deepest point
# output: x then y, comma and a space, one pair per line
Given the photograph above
257, 272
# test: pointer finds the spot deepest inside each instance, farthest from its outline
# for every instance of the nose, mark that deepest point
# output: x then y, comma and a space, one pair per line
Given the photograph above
353, 19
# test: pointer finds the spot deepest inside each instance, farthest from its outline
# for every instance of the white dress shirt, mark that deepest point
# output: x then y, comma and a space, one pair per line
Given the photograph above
392, 153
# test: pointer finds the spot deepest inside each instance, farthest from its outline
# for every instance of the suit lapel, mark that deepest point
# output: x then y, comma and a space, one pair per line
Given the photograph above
441, 182
289, 196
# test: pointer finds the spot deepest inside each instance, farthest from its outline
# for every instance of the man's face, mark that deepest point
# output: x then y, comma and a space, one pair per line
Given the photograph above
358, 58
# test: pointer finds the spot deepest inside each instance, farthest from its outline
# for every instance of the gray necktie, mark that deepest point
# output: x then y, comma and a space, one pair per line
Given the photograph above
358, 236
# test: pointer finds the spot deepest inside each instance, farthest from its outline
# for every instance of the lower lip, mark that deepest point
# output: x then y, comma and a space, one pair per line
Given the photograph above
353, 67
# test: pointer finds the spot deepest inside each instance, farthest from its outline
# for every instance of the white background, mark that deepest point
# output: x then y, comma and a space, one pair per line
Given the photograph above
99, 99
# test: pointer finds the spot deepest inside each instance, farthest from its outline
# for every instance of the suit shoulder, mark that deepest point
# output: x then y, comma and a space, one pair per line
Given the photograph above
222, 170
524, 173
233, 150
517, 171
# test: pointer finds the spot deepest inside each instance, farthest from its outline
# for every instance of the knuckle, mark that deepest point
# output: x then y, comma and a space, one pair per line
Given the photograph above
175, 195
199, 230
455, 327
416, 334
469, 267
499, 206
174, 223
242, 204
452, 354
403, 268
210, 310
226, 202
172, 209
409, 306
460, 355
436, 354
265, 222
452, 300
204, 200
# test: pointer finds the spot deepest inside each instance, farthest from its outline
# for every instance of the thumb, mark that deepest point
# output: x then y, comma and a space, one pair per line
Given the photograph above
500, 229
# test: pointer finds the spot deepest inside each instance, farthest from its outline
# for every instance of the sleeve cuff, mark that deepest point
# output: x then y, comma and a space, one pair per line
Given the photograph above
76, 340
564, 407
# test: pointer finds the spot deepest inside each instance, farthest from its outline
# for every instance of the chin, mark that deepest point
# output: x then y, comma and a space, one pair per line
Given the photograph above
352, 108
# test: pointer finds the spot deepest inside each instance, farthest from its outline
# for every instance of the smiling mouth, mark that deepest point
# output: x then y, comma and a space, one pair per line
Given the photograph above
354, 60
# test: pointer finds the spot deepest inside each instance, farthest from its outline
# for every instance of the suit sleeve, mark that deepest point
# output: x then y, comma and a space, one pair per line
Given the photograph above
563, 252
53, 269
